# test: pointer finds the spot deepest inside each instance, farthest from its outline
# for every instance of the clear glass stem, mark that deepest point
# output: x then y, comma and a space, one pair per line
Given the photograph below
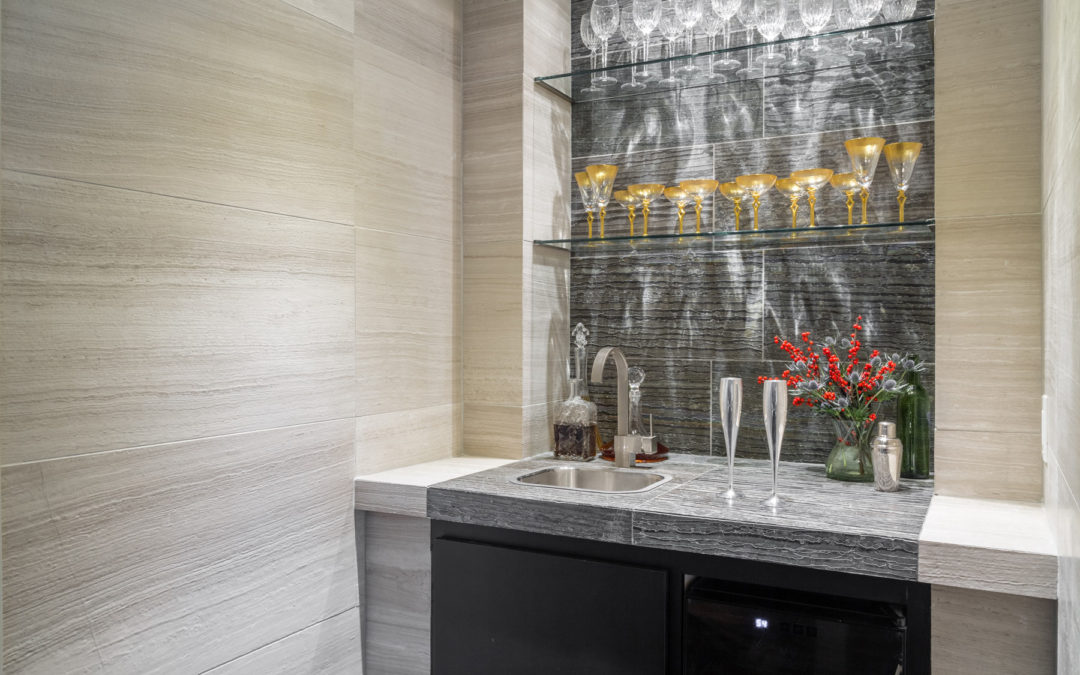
727, 35
645, 56
712, 56
603, 57
899, 34
592, 66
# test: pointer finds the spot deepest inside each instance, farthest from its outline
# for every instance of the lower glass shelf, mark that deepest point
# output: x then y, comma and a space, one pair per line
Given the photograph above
915, 230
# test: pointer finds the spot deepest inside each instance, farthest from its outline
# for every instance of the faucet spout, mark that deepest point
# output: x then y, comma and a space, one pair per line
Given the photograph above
626, 445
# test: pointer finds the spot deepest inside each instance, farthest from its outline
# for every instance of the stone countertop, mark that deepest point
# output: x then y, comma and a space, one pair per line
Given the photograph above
820, 523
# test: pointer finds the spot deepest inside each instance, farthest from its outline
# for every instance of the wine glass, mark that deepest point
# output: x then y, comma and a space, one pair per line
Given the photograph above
688, 12
630, 202
680, 198
845, 20
588, 197
795, 29
747, 15
810, 180
604, 16
864, 154
756, 184
726, 10
901, 158
647, 17
734, 193
632, 34
698, 191
602, 177
846, 184
775, 409
591, 42
771, 17
646, 192
899, 10
791, 188
730, 412
711, 24
671, 29
865, 11
815, 15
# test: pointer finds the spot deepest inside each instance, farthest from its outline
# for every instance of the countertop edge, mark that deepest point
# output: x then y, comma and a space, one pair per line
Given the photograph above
403, 491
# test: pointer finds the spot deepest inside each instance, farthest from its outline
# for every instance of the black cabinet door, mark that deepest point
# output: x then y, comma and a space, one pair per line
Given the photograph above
503, 610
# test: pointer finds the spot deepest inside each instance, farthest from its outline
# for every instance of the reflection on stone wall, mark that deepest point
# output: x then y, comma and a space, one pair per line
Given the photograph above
693, 313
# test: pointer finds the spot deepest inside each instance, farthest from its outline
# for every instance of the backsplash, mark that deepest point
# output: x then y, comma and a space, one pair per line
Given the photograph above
692, 312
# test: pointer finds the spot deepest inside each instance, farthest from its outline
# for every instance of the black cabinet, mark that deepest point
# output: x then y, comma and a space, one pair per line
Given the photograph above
504, 610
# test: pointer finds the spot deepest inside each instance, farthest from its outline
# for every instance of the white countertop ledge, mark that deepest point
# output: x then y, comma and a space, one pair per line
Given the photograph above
988, 545
403, 491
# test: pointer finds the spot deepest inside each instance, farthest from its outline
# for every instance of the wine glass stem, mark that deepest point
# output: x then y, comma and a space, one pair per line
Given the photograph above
589, 217
645, 220
682, 212
757, 203
901, 197
850, 207
727, 35
645, 56
632, 214
592, 65
794, 211
738, 211
603, 57
603, 215
697, 212
865, 194
812, 199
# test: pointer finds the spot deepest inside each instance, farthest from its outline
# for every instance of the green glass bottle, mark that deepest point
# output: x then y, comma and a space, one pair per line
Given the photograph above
913, 428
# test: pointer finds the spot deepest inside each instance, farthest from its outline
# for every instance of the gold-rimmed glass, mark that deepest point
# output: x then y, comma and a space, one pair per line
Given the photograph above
864, 154
734, 194
647, 193
846, 184
603, 180
630, 202
791, 188
811, 180
698, 191
680, 198
901, 158
756, 184
588, 197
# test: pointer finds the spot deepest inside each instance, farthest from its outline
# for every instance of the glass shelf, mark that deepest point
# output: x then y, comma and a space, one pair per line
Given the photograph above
576, 86
910, 231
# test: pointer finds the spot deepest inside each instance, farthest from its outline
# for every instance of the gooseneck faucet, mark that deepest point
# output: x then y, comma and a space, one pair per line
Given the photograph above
627, 445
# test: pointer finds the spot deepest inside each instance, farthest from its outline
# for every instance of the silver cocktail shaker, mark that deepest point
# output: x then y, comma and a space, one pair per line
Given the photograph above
885, 452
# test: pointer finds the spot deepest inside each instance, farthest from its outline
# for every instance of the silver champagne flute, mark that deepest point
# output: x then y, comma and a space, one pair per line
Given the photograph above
775, 405
730, 413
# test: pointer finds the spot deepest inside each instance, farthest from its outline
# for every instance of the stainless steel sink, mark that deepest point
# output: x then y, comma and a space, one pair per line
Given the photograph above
594, 480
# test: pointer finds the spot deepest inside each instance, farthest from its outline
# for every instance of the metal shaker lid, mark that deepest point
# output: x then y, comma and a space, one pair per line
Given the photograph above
887, 429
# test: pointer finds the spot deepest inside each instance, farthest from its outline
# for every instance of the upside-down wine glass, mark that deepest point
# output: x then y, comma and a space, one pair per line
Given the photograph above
901, 158
630, 202
588, 197
591, 42
632, 35
865, 11
647, 17
698, 191
602, 177
671, 29
793, 191
810, 180
711, 23
680, 198
864, 154
756, 184
815, 15
726, 10
846, 184
646, 192
771, 16
604, 16
899, 10
689, 13
734, 193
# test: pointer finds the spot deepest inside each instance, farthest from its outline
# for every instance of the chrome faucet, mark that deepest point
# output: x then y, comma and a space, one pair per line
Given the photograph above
627, 445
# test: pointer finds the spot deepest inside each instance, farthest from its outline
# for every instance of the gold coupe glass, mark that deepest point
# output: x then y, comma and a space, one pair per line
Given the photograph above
680, 198
735, 195
699, 190
810, 180
846, 185
864, 153
901, 158
603, 180
756, 184
646, 192
630, 202
790, 187
588, 197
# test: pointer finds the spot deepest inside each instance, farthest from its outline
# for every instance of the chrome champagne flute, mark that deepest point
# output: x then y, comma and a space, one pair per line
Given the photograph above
775, 405
730, 412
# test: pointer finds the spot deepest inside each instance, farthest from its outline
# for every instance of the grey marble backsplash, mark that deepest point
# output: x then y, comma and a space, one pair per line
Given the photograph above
690, 314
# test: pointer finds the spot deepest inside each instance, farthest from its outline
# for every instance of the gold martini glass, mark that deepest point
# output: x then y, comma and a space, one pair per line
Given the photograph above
735, 194
630, 202
603, 180
646, 192
846, 184
756, 184
791, 188
680, 198
810, 180
698, 191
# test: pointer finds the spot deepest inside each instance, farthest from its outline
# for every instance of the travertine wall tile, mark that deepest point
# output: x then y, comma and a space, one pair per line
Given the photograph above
394, 439
423, 32
987, 464
492, 430
492, 322
330, 647
337, 12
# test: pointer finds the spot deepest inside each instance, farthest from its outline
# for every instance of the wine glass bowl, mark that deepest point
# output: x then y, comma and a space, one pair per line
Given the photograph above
771, 16
604, 16
698, 191
790, 188
734, 193
810, 180
647, 193
815, 15
602, 177
756, 184
630, 202
680, 198
588, 197
901, 158
864, 153
846, 184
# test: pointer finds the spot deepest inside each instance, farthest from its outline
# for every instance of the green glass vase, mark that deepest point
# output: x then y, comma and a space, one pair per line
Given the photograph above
913, 428
850, 457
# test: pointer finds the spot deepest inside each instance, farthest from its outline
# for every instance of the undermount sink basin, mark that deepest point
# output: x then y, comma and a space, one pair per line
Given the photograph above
594, 480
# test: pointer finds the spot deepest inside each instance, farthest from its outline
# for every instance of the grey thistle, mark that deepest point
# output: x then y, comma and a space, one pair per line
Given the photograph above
889, 385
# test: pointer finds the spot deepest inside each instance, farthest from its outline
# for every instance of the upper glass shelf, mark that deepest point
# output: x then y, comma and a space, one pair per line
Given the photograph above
793, 58
910, 231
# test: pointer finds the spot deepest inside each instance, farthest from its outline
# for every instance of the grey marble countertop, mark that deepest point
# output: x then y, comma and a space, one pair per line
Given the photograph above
820, 523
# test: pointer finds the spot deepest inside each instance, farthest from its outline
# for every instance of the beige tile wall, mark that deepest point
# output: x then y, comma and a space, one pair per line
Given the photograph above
989, 267
231, 267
